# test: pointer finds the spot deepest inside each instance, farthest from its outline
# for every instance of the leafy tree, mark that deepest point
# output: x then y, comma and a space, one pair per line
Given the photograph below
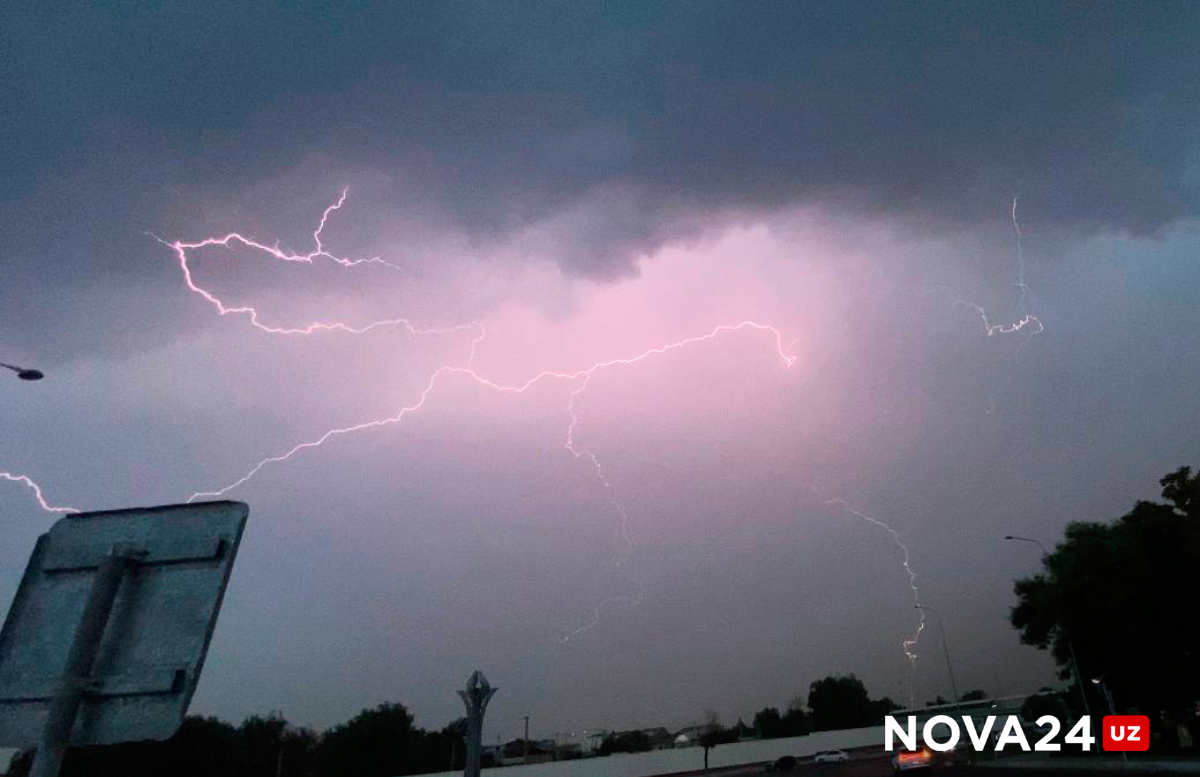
1043, 703
201, 748
879, 708
769, 723
977, 694
712, 736
1123, 595
381, 741
795, 720
839, 702
377, 742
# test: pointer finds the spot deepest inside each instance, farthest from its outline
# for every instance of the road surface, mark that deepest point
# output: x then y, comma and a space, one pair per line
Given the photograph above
880, 766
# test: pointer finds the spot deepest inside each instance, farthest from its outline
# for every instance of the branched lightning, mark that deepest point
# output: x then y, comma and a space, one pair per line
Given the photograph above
182, 248
578, 381
1027, 320
581, 377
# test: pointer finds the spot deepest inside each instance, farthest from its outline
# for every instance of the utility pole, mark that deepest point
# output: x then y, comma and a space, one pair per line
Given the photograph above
1112, 708
475, 697
525, 743
945, 650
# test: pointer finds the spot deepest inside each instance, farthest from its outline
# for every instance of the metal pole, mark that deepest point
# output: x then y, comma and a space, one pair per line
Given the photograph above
1112, 709
525, 743
60, 721
1087, 709
1045, 552
945, 650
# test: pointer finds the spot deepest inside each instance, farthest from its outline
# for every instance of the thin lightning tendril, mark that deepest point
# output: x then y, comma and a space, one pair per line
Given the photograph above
910, 643
37, 492
468, 371
1027, 320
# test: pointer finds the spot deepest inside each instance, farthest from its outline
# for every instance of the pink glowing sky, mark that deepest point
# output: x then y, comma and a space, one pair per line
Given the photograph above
588, 188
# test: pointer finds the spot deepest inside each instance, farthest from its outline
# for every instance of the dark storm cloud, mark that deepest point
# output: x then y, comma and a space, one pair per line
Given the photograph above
645, 116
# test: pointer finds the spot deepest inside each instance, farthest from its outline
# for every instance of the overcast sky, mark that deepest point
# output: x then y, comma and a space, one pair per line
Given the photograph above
588, 182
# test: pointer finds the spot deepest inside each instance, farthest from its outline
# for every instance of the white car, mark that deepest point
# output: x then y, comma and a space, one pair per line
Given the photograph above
830, 757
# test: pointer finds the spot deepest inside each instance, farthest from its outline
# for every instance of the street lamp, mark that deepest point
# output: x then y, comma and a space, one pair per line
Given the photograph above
1070, 644
1027, 539
1099, 682
24, 374
1112, 709
942, 632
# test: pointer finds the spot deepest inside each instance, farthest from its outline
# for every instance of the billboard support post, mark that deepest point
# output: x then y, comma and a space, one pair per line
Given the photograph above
84, 646
106, 636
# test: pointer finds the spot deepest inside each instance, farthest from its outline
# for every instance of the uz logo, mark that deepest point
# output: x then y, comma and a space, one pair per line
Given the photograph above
1126, 732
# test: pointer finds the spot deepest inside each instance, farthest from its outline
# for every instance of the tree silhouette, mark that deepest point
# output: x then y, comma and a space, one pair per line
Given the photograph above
712, 735
1123, 595
839, 702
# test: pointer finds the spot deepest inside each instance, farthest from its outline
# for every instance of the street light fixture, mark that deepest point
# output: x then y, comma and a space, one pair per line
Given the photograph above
1112, 708
945, 650
23, 373
1027, 539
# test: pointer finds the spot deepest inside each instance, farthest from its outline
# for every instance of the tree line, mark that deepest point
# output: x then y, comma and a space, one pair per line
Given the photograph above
834, 702
378, 742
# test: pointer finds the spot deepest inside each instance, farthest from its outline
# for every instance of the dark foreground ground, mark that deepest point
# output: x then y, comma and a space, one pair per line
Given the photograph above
880, 766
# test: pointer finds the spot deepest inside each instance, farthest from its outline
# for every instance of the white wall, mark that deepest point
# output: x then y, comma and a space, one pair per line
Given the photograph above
686, 759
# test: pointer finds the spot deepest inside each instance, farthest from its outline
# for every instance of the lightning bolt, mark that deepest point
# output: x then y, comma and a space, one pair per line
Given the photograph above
1024, 287
181, 249
909, 644
37, 492
1027, 320
912, 641
578, 380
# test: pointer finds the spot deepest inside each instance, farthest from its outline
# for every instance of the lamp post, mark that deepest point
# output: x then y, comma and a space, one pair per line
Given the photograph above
1087, 710
1112, 708
24, 373
945, 650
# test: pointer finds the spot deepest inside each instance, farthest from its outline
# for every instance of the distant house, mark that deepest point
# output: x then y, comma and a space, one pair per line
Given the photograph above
660, 738
514, 752
692, 735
